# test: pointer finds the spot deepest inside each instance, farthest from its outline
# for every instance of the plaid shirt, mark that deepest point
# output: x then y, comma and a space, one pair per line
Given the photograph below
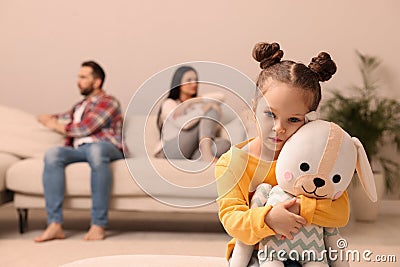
101, 120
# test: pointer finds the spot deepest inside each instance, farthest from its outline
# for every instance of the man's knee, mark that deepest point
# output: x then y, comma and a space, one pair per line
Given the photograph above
98, 153
53, 155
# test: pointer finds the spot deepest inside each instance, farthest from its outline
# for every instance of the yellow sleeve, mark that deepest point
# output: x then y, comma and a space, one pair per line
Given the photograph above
238, 219
326, 212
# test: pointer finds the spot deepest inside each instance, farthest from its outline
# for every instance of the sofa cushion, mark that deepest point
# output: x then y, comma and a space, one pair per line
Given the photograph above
6, 160
25, 176
191, 183
23, 135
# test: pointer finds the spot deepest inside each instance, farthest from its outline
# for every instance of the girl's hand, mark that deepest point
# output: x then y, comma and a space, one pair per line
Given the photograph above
284, 222
295, 208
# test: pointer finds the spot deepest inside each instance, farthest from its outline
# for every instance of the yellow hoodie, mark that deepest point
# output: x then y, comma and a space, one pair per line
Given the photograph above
238, 173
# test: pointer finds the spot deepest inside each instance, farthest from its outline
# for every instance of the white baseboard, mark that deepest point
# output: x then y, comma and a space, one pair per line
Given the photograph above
390, 207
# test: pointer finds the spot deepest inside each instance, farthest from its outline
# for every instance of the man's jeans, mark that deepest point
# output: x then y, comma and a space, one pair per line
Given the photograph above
98, 155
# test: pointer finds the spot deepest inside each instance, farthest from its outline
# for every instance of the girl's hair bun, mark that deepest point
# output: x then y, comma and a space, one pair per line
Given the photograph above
323, 66
267, 54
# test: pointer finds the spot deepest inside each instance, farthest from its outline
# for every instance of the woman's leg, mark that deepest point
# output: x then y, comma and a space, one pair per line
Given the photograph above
200, 137
222, 145
182, 146
218, 147
208, 125
210, 146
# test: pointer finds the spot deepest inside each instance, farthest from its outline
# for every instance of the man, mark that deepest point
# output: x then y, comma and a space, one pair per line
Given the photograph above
94, 135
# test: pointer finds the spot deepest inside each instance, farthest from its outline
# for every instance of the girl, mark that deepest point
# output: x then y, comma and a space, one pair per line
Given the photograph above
288, 93
188, 123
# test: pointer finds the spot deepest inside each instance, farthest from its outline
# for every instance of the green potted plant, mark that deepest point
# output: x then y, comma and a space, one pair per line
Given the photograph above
369, 116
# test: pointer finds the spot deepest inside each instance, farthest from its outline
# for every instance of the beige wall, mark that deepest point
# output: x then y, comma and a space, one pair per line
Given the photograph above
44, 41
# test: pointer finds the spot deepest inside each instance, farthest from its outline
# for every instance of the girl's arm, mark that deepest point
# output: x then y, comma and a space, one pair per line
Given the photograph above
249, 225
243, 223
326, 212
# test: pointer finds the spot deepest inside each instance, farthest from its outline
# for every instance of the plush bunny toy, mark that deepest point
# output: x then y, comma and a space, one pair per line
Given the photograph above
318, 161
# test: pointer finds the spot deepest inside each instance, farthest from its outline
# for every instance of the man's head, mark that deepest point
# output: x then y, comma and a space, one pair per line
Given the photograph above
90, 78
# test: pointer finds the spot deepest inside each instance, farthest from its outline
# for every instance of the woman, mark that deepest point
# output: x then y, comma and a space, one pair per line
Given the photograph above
188, 124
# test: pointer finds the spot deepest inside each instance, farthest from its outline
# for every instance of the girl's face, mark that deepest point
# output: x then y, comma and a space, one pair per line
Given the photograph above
280, 113
188, 84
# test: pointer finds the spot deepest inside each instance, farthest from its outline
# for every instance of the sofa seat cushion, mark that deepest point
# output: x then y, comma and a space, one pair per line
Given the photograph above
158, 177
26, 177
174, 178
6, 160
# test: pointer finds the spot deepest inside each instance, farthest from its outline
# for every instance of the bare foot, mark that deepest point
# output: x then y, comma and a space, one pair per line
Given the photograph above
95, 232
53, 231
209, 158
206, 151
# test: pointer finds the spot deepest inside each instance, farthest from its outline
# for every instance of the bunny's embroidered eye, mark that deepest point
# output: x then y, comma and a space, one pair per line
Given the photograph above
336, 178
304, 167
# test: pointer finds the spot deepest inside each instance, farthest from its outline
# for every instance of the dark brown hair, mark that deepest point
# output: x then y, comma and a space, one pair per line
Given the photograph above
97, 71
295, 74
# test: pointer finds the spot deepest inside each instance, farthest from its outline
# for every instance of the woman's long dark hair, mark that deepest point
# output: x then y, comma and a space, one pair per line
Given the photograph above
175, 89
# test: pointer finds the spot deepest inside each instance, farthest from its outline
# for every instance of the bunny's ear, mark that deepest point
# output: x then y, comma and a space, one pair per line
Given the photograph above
364, 171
